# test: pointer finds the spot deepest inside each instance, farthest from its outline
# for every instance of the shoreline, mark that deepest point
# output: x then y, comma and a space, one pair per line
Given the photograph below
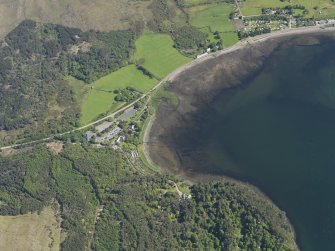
238, 46
146, 138
250, 41
194, 176
170, 77
191, 178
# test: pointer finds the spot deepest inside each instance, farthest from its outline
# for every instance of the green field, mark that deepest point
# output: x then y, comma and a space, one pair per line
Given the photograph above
195, 2
100, 98
254, 7
155, 52
326, 8
32, 231
229, 38
215, 16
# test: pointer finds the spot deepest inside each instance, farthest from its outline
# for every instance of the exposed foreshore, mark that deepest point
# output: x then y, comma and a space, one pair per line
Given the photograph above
199, 82
253, 41
196, 85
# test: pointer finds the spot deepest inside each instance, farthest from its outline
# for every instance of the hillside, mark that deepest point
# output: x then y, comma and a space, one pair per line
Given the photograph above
98, 14
64, 64
35, 60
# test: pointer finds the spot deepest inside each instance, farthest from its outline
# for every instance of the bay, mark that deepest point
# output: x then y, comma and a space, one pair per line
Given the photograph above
278, 132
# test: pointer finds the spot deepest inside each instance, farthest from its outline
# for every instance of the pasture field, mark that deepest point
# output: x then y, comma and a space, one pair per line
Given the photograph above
214, 16
100, 98
324, 8
195, 2
229, 38
30, 232
254, 7
155, 52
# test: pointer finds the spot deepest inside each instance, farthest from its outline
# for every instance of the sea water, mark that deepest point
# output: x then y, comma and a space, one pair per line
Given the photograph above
278, 132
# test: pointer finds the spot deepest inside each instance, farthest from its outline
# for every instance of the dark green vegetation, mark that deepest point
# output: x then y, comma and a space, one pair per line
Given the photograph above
127, 94
175, 17
35, 58
278, 133
29, 181
217, 217
142, 210
189, 37
186, 37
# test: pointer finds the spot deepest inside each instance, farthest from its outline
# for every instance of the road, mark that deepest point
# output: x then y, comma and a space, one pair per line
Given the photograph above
175, 73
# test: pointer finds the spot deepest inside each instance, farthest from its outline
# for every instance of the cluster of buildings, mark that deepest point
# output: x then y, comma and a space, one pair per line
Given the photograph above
103, 133
325, 22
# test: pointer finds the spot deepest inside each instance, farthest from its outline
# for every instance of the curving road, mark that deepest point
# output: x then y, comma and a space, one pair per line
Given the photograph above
176, 72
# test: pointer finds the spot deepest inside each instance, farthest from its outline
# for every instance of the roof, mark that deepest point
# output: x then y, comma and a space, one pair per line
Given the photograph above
89, 135
103, 126
128, 113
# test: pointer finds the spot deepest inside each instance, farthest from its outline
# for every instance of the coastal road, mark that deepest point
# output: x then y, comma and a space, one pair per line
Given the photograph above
176, 72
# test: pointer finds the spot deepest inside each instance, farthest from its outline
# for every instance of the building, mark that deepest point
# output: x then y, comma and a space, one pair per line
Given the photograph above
202, 55
128, 113
102, 127
89, 135
108, 136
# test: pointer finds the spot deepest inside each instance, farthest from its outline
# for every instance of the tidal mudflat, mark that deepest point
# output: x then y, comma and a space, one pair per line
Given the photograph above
264, 114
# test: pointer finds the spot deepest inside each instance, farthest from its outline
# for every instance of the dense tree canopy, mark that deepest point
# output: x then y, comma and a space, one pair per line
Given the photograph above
142, 210
34, 60
189, 37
